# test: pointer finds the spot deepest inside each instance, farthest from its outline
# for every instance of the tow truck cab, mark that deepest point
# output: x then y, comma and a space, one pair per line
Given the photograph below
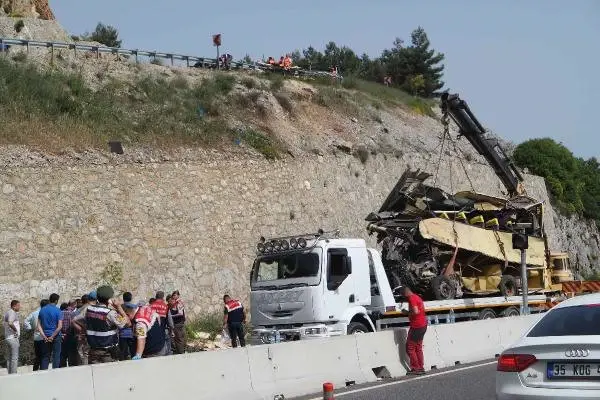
316, 285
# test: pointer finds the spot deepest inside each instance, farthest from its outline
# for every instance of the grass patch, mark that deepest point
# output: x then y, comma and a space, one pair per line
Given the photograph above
338, 99
209, 323
249, 83
276, 81
264, 144
285, 102
53, 110
421, 106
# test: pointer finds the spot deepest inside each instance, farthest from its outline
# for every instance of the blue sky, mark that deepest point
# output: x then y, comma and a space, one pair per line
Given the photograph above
527, 69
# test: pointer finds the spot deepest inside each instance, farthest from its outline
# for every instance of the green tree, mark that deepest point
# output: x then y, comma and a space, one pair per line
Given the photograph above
574, 183
105, 34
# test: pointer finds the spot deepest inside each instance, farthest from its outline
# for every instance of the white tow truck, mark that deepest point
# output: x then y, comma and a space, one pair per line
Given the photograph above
318, 285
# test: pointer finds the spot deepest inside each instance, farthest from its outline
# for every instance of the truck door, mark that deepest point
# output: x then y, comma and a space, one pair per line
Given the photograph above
339, 288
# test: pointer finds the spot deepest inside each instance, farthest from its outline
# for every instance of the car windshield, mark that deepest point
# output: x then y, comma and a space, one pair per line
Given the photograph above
289, 269
581, 320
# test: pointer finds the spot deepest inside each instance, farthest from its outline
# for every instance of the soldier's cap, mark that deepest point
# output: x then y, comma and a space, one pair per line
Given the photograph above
130, 305
105, 292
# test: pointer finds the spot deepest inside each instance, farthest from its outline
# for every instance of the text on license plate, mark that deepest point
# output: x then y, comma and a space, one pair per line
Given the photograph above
573, 370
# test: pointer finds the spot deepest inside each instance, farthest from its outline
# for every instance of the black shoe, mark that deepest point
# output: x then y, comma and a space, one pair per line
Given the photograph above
419, 372
411, 372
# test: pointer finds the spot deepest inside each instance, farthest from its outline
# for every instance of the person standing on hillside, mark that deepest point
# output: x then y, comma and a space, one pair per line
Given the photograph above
177, 310
31, 323
12, 334
161, 307
416, 333
50, 322
233, 319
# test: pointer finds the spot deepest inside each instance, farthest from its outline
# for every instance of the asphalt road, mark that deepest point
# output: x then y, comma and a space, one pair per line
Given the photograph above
472, 382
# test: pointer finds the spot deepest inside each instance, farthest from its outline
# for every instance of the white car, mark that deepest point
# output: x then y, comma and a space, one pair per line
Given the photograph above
558, 358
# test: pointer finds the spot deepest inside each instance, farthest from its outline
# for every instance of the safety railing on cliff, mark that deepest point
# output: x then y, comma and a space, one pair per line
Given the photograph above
190, 61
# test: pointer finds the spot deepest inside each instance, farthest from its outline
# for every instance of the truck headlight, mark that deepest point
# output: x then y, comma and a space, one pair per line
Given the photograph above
315, 331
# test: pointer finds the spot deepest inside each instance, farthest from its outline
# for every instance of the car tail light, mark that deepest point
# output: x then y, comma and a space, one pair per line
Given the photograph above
515, 362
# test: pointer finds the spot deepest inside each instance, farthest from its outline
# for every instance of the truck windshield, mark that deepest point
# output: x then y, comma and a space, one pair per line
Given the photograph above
287, 270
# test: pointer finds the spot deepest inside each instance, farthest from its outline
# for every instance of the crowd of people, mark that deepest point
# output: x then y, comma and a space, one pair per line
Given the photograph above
99, 328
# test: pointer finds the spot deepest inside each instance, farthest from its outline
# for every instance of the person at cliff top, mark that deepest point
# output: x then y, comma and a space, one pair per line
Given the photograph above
177, 310
418, 326
149, 334
102, 324
233, 319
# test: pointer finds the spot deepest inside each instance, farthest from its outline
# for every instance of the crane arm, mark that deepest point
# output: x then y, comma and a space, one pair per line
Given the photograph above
489, 148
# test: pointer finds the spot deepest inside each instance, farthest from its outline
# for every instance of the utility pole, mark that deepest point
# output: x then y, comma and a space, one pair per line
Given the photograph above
520, 241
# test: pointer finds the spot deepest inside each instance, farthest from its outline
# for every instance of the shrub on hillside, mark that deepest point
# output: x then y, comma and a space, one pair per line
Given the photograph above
574, 183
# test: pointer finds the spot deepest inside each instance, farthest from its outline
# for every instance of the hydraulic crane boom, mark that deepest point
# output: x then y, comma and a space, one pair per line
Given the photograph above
489, 148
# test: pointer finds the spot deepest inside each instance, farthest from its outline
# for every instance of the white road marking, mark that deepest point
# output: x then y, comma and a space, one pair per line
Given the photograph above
417, 378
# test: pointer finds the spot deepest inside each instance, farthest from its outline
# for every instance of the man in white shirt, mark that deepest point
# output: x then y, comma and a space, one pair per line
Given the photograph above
30, 323
12, 332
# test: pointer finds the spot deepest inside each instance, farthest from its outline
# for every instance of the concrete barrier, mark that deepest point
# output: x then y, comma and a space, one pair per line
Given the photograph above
66, 384
512, 328
291, 368
465, 342
198, 376
261, 372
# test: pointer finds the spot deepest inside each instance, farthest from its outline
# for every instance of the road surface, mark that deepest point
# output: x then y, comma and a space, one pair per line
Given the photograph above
471, 382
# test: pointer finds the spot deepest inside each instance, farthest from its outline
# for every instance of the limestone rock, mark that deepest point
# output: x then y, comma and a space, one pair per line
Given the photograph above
27, 9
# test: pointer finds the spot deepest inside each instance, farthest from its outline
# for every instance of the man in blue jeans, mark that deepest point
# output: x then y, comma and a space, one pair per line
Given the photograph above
49, 326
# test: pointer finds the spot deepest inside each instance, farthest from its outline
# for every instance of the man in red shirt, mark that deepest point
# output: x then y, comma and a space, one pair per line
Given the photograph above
418, 326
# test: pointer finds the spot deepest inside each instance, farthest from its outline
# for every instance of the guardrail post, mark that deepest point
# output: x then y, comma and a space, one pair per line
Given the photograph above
136, 56
51, 53
27, 42
171, 59
187, 60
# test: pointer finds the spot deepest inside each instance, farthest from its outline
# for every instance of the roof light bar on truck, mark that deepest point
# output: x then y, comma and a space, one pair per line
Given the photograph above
289, 244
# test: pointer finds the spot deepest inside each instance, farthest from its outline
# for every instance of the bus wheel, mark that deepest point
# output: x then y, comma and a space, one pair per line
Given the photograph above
511, 312
508, 286
487, 313
443, 288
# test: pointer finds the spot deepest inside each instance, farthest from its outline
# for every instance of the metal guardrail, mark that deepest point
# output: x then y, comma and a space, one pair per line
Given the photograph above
191, 61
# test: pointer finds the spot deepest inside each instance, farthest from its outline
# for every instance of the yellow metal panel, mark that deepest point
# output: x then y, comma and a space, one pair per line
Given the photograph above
481, 240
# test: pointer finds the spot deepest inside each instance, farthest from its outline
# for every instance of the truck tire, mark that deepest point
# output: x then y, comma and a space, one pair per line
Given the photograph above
511, 312
443, 288
487, 313
508, 286
357, 327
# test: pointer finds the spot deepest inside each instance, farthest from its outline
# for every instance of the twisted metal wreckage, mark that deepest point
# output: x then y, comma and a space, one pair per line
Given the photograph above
445, 245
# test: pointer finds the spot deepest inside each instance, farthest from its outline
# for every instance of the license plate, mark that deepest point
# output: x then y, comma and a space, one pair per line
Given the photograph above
573, 370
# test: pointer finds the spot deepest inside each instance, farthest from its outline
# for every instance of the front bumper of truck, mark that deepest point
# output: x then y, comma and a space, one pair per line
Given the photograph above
267, 335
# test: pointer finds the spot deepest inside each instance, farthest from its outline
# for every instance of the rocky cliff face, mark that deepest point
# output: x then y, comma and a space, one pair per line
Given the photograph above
27, 9
189, 219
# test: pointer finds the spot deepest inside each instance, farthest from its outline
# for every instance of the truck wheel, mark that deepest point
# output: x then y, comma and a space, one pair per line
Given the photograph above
508, 286
443, 288
487, 313
511, 312
357, 327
